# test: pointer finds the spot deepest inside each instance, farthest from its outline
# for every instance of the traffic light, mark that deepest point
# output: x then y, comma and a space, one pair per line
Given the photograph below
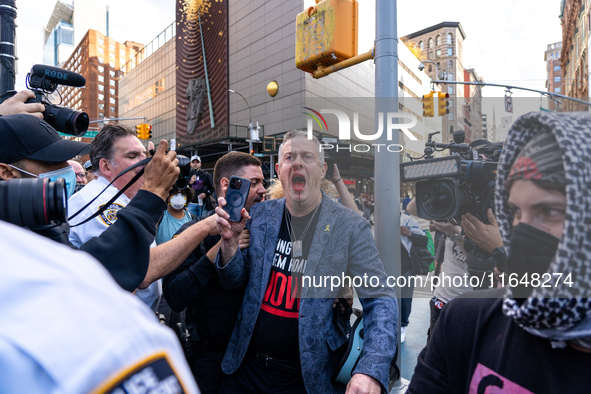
144, 131
442, 103
428, 110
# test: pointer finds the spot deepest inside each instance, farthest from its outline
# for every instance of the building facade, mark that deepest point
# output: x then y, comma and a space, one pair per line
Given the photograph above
554, 81
472, 106
147, 86
443, 44
98, 58
68, 24
574, 18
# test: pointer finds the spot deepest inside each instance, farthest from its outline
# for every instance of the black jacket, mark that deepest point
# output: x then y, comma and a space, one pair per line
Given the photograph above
124, 248
211, 309
203, 185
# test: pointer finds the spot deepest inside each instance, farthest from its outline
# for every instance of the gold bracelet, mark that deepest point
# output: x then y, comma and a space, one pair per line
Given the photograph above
335, 182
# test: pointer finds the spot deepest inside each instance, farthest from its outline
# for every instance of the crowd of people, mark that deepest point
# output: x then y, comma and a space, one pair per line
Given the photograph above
149, 287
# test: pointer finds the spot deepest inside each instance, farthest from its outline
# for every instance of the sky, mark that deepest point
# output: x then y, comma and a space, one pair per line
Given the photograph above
505, 39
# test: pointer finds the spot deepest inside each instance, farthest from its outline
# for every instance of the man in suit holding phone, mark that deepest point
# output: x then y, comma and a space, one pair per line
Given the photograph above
284, 336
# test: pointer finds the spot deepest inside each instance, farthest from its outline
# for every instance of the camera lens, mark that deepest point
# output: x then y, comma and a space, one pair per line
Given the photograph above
66, 120
439, 199
33, 202
236, 184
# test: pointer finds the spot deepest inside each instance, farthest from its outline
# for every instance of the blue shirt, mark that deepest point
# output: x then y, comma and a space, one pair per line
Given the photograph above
169, 225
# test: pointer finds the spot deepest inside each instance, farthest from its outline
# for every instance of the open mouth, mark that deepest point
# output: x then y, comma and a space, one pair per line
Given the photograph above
298, 183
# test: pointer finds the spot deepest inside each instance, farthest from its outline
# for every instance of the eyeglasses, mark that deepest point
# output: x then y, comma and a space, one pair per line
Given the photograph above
81, 174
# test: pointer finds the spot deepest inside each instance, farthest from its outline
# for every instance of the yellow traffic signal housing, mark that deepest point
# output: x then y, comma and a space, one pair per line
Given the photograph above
144, 131
428, 110
442, 103
326, 33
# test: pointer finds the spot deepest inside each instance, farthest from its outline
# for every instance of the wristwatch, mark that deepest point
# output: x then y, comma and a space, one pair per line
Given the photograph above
500, 257
456, 237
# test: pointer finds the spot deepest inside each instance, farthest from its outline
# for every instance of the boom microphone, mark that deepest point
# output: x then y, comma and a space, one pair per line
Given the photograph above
54, 75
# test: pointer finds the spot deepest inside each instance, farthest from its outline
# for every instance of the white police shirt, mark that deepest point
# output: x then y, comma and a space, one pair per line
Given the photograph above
81, 234
67, 327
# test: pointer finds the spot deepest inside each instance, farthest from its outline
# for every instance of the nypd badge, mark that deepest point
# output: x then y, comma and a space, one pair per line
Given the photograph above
109, 215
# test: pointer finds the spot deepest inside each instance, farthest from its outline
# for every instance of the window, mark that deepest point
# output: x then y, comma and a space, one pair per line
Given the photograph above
112, 74
112, 65
430, 43
437, 41
101, 41
112, 91
557, 55
438, 66
450, 89
556, 68
122, 52
101, 106
450, 116
101, 78
430, 55
450, 103
449, 38
556, 90
101, 88
450, 64
430, 68
551, 56
113, 109
101, 60
421, 45
112, 82
101, 115
101, 51
451, 129
112, 47
101, 69
438, 53
112, 55
556, 79
112, 100
450, 51
450, 77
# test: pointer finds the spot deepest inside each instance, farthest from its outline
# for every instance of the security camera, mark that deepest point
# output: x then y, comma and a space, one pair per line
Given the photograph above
421, 66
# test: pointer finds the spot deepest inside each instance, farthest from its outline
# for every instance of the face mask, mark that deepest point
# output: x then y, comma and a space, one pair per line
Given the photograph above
530, 251
79, 187
178, 201
67, 173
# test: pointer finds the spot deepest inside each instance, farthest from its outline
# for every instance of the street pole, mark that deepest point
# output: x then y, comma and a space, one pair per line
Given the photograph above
387, 174
7, 34
250, 122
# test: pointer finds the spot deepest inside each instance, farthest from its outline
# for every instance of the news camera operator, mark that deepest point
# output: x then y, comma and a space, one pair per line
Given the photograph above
31, 148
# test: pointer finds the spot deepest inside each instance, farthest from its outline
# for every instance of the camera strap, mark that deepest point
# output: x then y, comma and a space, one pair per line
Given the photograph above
116, 196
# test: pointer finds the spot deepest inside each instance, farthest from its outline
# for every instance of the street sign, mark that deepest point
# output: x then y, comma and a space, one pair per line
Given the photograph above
89, 134
508, 104
259, 155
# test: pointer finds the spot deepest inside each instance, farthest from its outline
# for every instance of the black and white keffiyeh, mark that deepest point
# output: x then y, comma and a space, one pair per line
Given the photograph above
563, 312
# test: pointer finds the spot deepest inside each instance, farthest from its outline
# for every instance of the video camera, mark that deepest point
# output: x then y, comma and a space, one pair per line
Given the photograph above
44, 80
454, 185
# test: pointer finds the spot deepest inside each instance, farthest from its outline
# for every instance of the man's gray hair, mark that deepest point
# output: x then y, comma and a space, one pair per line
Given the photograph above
300, 134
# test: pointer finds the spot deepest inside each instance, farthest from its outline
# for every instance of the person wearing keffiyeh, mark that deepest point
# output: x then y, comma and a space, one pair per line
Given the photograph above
533, 336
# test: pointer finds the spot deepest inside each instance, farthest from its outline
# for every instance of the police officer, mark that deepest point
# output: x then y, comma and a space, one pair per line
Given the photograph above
95, 337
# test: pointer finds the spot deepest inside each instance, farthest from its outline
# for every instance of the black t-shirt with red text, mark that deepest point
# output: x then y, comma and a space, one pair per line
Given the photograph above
276, 330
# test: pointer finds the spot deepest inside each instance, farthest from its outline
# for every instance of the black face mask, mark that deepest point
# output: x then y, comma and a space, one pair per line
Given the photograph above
530, 251
78, 187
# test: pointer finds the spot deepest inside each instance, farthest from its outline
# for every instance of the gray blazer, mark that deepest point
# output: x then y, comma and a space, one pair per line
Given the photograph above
343, 243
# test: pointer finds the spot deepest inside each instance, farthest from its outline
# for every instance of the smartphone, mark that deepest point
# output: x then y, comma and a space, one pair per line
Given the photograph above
329, 168
236, 196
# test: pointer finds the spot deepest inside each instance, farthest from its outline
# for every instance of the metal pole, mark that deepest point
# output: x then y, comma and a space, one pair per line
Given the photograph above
7, 34
387, 175
206, 77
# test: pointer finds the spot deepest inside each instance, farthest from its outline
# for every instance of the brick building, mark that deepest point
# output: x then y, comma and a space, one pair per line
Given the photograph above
443, 44
555, 81
98, 58
574, 18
